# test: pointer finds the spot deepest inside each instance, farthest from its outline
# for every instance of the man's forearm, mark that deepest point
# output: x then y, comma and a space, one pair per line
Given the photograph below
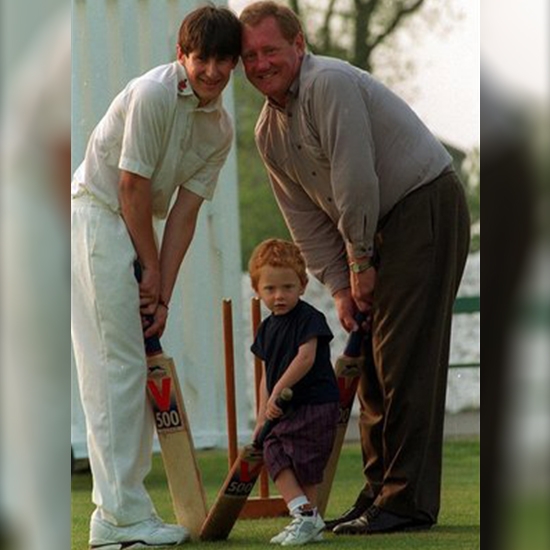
178, 234
136, 209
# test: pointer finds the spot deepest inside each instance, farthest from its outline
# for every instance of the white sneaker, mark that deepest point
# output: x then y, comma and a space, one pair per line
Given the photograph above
304, 529
277, 539
150, 533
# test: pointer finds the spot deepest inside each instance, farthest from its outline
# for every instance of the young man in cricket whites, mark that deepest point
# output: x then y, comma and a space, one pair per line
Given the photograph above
166, 133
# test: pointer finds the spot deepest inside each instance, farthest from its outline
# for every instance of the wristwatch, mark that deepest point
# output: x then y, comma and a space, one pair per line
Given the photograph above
358, 267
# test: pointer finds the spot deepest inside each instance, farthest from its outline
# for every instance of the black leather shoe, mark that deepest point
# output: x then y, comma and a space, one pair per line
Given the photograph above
378, 521
360, 506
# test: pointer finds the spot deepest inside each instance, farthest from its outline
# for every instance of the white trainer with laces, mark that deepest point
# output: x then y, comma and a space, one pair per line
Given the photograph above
278, 539
150, 533
303, 529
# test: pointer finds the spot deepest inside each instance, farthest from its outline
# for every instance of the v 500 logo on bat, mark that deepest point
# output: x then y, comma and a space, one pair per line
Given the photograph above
164, 401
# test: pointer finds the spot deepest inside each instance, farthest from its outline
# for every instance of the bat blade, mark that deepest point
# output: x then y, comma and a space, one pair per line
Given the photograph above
239, 482
176, 442
348, 369
233, 494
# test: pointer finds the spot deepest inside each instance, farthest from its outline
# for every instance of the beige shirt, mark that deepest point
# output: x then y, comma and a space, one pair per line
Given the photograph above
154, 128
340, 155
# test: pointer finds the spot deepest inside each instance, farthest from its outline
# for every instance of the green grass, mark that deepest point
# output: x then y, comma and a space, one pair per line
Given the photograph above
459, 520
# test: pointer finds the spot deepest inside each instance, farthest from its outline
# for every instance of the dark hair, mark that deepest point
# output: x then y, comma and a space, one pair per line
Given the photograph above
288, 22
211, 31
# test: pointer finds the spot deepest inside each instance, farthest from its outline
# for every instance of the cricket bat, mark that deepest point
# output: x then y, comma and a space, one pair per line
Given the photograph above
347, 368
239, 482
174, 434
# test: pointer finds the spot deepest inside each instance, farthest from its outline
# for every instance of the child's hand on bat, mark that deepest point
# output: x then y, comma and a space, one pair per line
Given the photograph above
273, 411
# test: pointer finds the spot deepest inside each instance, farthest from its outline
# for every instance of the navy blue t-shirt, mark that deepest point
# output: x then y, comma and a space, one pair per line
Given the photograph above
277, 342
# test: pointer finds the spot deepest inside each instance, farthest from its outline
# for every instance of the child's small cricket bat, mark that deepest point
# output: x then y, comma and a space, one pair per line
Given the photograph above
239, 482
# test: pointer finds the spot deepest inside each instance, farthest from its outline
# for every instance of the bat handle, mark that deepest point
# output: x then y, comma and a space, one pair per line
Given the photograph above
152, 343
355, 340
283, 402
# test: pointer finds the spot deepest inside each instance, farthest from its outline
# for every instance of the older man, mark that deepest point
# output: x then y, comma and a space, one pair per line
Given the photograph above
371, 199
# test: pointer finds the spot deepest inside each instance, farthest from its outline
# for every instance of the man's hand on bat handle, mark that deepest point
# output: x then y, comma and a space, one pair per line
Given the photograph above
347, 310
362, 289
153, 310
149, 290
154, 325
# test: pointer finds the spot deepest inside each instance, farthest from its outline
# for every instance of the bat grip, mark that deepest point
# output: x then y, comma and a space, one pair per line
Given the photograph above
355, 340
152, 343
283, 402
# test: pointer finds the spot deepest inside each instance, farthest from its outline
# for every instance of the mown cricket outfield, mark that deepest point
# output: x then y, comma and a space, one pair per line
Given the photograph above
459, 521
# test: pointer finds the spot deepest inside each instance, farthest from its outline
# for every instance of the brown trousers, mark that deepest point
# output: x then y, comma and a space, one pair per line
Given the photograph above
421, 249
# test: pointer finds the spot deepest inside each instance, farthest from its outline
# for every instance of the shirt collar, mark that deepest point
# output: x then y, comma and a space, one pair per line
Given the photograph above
184, 89
183, 86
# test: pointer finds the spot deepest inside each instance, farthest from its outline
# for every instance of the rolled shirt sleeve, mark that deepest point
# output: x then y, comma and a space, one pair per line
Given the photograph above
148, 112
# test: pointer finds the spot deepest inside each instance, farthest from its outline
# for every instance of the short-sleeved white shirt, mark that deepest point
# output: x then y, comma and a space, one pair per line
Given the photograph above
154, 128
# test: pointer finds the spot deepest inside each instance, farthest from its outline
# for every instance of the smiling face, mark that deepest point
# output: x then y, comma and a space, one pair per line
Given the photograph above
279, 288
207, 76
271, 62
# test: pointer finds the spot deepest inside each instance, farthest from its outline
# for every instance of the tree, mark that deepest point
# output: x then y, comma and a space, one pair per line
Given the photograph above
353, 29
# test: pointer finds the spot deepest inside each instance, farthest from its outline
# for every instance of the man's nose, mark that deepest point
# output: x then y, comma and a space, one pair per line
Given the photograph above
262, 62
212, 68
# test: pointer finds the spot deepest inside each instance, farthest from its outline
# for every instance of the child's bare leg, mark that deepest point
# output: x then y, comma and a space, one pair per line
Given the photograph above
289, 488
288, 485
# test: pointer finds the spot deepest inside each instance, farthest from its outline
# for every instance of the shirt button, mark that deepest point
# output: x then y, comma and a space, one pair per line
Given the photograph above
313, 173
299, 146
329, 199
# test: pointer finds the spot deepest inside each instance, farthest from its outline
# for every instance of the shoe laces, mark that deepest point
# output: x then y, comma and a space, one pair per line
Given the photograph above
300, 520
295, 523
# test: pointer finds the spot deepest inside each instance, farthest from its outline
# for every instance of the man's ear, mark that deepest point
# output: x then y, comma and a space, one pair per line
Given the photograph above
300, 43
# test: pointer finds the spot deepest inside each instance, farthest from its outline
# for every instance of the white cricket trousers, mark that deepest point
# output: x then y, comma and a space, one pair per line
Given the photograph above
111, 363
